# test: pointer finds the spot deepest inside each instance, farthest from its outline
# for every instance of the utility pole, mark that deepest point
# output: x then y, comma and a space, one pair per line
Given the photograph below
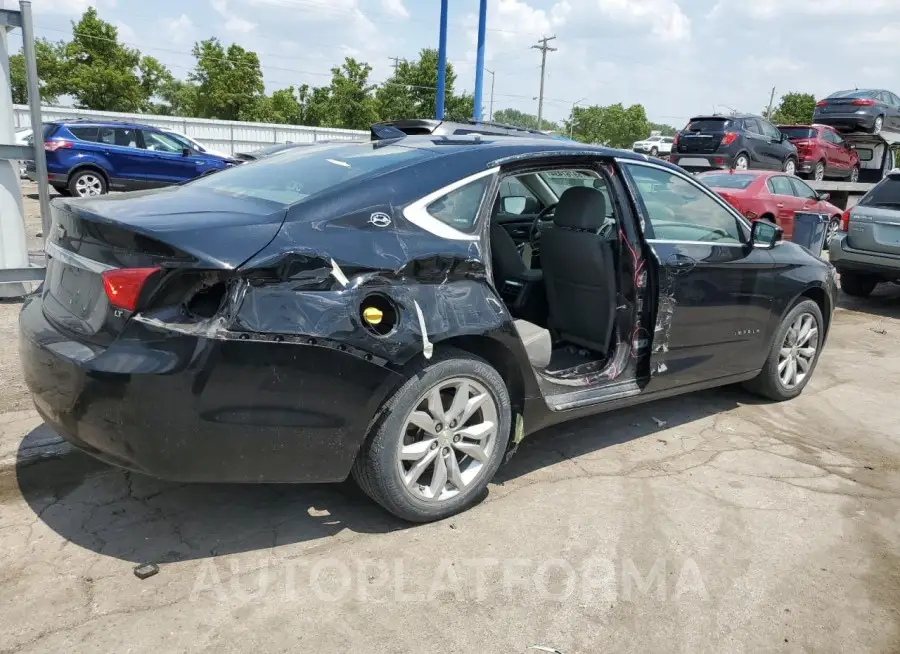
771, 100
396, 61
544, 48
491, 111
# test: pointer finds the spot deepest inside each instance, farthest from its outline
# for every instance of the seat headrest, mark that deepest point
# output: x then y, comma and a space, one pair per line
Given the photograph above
581, 207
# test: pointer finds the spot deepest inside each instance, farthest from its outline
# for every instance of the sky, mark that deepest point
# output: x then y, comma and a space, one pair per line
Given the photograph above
676, 57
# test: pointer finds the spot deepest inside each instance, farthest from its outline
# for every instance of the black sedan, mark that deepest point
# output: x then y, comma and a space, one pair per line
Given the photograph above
405, 311
874, 111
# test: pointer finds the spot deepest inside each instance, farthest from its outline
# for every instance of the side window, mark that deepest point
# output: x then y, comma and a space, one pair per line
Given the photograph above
894, 99
161, 143
121, 136
459, 208
515, 198
676, 209
84, 133
769, 130
752, 126
801, 190
780, 185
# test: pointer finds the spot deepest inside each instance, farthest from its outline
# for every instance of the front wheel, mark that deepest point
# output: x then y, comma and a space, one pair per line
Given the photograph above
654, 152
790, 166
439, 439
87, 183
793, 355
858, 285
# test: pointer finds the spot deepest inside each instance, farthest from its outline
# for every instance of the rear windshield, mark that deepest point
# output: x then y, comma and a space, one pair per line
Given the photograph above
854, 94
886, 193
48, 129
708, 125
799, 132
298, 173
727, 180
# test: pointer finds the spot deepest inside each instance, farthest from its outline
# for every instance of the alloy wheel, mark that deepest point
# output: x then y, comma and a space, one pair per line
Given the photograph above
448, 439
798, 351
88, 185
790, 167
879, 122
819, 174
854, 175
741, 163
832, 229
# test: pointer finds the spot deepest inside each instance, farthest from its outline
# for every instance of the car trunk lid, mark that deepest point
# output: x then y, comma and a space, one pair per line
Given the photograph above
703, 135
175, 228
875, 222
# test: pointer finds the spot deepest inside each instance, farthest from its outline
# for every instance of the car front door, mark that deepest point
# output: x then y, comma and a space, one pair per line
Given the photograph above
756, 144
838, 157
168, 162
808, 198
786, 202
777, 147
714, 289
128, 162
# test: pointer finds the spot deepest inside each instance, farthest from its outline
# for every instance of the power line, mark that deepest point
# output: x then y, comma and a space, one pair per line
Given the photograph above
544, 48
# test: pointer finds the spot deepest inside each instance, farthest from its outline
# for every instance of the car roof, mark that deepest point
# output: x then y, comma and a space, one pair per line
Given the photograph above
89, 122
426, 126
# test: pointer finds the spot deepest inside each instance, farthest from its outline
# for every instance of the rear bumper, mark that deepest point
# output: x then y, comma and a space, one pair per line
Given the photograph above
188, 408
846, 259
703, 162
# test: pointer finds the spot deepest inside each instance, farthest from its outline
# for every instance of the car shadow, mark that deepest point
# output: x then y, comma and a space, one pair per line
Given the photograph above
140, 519
883, 302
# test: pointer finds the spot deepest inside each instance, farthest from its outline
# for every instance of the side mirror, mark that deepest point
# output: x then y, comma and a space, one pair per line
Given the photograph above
514, 204
765, 235
185, 152
824, 197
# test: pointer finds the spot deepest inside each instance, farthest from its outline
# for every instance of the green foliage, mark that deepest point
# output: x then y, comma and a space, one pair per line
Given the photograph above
51, 72
613, 125
229, 82
521, 119
410, 91
351, 103
663, 129
795, 109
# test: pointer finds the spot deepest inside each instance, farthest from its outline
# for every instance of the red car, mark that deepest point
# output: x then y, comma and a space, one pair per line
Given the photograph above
772, 196
823, 152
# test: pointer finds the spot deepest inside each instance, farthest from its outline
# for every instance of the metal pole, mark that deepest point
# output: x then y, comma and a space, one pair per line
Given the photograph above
544, 48
34, 104
442, 64
479, 58
771, 100
493, 78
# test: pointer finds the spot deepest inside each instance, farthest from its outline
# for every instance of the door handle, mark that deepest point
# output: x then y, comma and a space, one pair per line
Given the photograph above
681, 263
780, 205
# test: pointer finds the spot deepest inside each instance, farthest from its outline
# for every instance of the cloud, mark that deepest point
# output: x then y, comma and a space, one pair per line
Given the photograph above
395, 8
665, 18
776, 9
126, 33
65, 7
233, 22
178, 30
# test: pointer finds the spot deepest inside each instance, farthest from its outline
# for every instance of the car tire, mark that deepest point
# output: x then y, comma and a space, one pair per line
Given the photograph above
791, 344
790, 166
654, 152
833, 226
854, 174
87, 183
818, 172
858, 285
380, 469
741, 162
877, 125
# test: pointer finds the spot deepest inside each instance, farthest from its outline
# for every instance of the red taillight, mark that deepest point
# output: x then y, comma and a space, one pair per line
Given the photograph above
675, 140
863, 102
123, 286
53, 146
845, 221
821, 103
729, 138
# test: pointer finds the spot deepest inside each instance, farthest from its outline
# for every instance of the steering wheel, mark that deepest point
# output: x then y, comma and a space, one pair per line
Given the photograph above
534, 233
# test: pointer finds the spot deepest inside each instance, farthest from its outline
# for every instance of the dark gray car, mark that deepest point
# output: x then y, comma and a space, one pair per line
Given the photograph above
866, 250
860, 110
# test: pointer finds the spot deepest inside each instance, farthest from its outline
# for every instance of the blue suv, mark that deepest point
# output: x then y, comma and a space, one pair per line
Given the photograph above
87, 157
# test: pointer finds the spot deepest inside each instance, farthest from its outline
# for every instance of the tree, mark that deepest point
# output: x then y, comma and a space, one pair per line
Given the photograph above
104, 74
521, 119
229, 83
51, 72
351, 103
663, 129
614, 125
410, 91
795, 109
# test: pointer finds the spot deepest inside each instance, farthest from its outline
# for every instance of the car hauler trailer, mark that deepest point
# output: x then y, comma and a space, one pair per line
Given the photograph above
876, 159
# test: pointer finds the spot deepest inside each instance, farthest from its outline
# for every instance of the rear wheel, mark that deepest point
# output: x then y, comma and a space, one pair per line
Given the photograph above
833, 225
793, 355
438, 441
858, 285
790, 166
818, 173
654, 151
879, 123
87, 183
854, 174
741, 162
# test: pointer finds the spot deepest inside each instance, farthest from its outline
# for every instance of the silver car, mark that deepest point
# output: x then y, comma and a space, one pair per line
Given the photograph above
866, 250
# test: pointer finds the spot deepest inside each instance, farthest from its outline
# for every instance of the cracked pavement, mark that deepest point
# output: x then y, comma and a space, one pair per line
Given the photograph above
736, 526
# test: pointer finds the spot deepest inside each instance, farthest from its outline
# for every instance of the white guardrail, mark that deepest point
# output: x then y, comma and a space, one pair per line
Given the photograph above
224, 135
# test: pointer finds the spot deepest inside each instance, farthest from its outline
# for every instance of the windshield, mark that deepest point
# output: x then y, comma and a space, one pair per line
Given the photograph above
885, 194
299, 173
799, 132
727, 180
560, 180
708, 125
182, 140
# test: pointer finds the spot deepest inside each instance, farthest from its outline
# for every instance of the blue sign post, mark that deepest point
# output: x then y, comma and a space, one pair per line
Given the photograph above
479, 61
442, 65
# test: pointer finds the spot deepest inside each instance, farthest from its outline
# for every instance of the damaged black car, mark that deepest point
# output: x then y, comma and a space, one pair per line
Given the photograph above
404, 311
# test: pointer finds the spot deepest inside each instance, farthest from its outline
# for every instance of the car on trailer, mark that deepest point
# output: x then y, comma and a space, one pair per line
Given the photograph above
405, 311
823, 152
